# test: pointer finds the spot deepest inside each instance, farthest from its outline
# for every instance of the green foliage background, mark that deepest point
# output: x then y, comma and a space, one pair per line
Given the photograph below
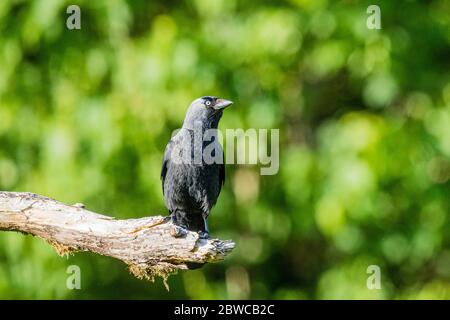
364, 119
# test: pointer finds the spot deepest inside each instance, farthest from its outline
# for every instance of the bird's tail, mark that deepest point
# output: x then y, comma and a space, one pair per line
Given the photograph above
192, 221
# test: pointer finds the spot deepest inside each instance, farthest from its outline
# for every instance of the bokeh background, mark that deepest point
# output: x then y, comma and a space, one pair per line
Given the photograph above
364, 119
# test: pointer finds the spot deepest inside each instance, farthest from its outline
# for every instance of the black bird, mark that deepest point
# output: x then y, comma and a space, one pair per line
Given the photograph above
191, 183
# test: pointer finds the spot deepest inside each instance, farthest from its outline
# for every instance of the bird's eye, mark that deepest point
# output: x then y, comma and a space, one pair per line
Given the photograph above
207, 103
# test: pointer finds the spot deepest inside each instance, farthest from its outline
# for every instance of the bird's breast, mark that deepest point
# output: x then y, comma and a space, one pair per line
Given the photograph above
193, 187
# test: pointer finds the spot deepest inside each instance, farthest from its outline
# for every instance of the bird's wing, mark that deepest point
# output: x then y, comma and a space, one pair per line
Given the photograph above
165, 162
222, 173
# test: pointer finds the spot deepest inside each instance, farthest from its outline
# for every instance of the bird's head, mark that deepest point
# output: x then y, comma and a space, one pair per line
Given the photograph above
206, 110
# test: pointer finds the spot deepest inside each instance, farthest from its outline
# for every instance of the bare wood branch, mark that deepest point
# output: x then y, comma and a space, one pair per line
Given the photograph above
149, 246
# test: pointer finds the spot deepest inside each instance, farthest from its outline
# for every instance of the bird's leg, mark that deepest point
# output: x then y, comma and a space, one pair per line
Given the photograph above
204, 234
205, 220
178, 230
173, 217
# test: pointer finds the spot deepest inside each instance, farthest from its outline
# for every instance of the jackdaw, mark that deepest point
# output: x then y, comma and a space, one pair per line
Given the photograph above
193, 169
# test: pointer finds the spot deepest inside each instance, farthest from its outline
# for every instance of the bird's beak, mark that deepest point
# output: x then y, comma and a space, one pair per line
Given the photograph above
222, 104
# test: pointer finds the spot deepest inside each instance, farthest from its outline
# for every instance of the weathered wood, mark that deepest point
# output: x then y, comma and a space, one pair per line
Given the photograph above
149, 246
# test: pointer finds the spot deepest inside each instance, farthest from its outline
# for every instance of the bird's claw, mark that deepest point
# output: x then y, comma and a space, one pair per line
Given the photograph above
178, 232
203, 235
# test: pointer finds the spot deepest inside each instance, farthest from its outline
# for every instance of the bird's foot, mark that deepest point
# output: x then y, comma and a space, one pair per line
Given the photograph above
178, 232
203, 235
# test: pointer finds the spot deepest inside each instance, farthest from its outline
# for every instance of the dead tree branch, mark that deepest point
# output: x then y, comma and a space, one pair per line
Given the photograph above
149, 246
